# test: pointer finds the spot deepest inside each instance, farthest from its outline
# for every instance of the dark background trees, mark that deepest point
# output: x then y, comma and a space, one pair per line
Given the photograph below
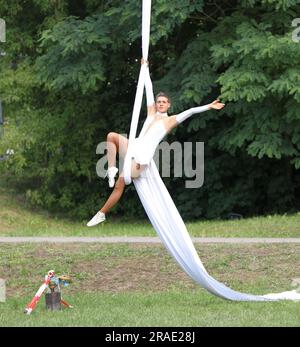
69, 76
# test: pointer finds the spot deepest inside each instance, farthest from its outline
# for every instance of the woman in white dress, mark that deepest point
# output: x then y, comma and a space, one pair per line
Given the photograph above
156, 126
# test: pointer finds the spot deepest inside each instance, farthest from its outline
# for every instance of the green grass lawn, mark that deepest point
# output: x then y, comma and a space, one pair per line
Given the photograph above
165, 309
16, 219
141, 285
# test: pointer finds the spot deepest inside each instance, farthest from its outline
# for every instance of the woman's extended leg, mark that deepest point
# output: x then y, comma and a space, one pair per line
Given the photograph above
119, 188
114, 196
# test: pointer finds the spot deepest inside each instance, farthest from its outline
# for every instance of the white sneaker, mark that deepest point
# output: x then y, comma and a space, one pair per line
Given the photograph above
98, 218
111, 174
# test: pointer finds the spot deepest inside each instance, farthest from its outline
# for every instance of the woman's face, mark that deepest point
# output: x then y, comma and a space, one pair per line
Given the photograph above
162, 104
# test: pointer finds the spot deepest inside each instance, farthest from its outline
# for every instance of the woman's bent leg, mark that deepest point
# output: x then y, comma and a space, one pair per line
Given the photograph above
115, 143
114, 196
120, 143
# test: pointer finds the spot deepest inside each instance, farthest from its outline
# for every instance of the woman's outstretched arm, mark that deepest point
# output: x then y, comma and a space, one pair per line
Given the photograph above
217, 105
173, 121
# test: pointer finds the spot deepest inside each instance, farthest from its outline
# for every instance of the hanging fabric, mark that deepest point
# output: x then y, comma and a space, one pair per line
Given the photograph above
162, 211
146, 16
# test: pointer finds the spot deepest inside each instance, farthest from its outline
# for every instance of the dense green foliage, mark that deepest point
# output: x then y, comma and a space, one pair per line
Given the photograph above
69, 77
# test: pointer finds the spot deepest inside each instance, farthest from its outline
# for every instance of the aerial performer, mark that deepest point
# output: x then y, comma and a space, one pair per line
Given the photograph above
140, 169
156, 126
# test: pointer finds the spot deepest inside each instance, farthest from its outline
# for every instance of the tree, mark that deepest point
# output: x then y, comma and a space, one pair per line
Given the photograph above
74, 77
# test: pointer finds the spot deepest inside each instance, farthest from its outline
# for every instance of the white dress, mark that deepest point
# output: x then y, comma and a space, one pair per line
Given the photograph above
152, 133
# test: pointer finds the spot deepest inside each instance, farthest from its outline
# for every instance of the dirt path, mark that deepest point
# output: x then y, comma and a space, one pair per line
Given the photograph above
139, 239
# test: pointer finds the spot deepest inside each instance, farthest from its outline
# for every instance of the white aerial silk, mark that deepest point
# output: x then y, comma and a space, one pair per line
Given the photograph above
162, 211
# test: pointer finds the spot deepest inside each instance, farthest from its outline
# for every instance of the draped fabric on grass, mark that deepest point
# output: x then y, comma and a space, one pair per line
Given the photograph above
171, 229
162, 211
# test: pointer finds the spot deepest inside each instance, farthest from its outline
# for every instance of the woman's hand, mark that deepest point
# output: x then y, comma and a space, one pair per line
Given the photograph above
217, 105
